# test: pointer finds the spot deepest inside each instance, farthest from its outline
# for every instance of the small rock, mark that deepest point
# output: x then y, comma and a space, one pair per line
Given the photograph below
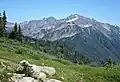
19, 68
25, 79
24, 62
43, 64
62, 78
2, 64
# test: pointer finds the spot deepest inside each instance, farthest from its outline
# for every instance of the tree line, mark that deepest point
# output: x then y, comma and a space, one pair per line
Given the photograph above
16, 32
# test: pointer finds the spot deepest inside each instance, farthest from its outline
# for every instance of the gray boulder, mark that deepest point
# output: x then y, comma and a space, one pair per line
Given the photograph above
52, 80
48, 70
38, 69
39, 75
26, 79
33, 73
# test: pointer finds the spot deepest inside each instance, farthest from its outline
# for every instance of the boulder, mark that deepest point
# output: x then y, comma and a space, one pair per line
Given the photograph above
48, 70
16, 76
21, 78
25, 79
39, 75
33, 73
52, 80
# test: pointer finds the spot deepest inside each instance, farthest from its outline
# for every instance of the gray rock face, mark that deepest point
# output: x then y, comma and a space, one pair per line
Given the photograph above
53, 29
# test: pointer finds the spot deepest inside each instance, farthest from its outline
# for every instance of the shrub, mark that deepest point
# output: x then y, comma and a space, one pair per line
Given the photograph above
4, 77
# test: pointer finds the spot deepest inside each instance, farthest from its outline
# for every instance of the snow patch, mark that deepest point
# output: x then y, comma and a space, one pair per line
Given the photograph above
76, 15
73, 37
71, 20
53, 27
88, 25
49, 27
45, 22
115, 25
106, 27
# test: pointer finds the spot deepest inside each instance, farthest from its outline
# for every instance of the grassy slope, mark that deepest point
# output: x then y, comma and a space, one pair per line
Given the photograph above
14, 52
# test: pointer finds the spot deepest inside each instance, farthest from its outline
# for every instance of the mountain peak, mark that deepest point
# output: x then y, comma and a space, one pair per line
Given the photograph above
50, 18
73, 16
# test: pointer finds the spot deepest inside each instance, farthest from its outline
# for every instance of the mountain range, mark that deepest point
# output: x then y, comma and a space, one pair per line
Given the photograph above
96, 40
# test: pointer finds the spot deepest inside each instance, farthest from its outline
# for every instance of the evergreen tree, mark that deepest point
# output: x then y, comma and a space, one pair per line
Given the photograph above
15, 29
14, 33
0, 20
4, 20
19, 33
110, 62
1, 25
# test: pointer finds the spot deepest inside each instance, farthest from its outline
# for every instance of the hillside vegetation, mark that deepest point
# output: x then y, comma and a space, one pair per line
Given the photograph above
12, 51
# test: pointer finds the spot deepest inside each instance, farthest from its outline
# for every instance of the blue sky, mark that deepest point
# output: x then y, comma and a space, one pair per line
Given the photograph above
22, 10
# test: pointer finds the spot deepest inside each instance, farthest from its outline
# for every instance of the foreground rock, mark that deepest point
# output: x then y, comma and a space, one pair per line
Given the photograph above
25, 79
49, 70
39, 75
33, 73
16, 76
52, 80
29, 79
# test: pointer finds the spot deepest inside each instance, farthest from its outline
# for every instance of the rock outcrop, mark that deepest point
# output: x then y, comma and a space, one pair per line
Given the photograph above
33, 73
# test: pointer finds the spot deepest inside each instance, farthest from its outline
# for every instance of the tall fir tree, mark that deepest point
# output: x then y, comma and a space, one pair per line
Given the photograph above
110, 62
4, 19
19, 33
15, 28
1, 25
0, 20
14, 33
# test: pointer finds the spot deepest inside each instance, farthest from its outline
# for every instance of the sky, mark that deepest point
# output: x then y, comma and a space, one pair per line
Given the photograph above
107, 11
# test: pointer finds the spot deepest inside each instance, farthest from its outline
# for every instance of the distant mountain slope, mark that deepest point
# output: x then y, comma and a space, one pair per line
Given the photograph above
94, 39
